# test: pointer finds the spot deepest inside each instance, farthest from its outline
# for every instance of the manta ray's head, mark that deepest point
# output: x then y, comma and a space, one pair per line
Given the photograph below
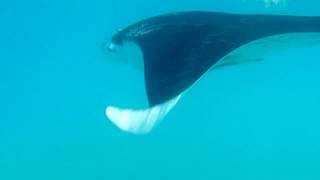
121, 48
117, 40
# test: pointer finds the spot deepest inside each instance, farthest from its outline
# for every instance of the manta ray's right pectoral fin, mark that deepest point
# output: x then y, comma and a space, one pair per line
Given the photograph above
256, 50
234, 60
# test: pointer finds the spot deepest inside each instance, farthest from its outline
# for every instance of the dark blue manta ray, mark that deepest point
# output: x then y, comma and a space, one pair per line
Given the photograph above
177, 49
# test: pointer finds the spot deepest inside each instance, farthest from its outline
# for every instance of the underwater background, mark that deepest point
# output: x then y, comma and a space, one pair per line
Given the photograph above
251, 121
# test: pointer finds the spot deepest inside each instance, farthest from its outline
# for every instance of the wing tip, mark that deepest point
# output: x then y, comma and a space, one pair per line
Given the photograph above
140, 121
124, 119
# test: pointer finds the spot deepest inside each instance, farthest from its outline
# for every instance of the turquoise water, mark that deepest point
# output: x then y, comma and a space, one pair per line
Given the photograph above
251, 121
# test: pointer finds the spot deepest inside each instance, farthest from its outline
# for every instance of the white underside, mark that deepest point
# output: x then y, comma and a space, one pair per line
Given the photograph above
142, 121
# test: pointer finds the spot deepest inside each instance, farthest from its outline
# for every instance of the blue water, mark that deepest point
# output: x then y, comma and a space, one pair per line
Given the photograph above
253, 121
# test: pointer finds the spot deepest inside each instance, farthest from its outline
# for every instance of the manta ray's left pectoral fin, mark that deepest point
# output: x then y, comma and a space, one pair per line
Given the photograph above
140, 121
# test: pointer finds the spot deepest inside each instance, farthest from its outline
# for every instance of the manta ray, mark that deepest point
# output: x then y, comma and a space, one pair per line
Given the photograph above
175, 50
